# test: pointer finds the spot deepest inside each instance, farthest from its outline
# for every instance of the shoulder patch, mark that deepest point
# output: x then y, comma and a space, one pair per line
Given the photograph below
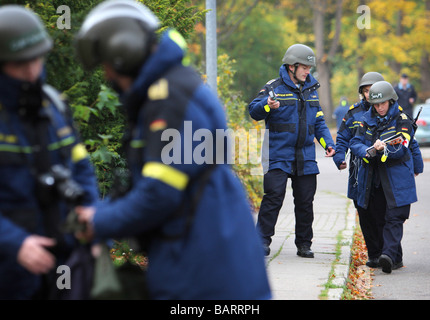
159, 90
271, 81
158, 124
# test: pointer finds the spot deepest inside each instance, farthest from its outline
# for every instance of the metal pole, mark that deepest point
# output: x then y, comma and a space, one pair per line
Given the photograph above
211, 44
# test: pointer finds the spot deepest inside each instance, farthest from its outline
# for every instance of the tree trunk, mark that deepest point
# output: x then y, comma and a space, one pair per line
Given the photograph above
324, 59
394, 65
360, 58
321, 59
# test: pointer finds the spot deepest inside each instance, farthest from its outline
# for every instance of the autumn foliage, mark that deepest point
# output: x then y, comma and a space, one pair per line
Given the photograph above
359, 280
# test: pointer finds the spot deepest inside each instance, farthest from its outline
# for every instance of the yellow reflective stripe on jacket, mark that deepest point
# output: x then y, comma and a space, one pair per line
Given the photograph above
176, 37
406, 135
323, 143
320, 114
62, 143
267, 108
390, 133
135, 144
79, 152
167, 174
9, 138
15, 148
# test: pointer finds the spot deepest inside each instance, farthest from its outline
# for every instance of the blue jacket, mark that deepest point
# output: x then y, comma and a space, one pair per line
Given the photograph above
293, 126
216, 254
20, 213
350, 124
396, 172
339, 113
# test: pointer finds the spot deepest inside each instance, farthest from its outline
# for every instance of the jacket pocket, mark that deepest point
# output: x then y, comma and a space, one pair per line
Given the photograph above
282, 127
314, 103
402, 176
288, 102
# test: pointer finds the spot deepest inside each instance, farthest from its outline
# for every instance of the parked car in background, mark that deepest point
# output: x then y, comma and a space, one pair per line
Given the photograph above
423, 132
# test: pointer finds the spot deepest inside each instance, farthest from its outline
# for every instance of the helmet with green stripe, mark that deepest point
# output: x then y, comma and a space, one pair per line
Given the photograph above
120, 33
22, 34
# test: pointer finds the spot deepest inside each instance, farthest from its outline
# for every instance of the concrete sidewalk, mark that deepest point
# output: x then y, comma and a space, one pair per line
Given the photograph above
296, 278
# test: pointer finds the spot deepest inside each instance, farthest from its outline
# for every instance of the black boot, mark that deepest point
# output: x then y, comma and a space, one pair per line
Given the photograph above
373, 263
386, 263
397, 265
305, 252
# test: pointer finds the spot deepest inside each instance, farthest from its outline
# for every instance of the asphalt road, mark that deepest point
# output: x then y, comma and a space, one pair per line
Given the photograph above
412, 282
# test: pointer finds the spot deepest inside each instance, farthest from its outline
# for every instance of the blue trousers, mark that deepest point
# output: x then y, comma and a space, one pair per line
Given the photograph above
391, 228
304, 188
372, 223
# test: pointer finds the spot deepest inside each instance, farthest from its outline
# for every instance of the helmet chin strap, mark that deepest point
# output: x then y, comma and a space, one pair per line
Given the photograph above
295, 77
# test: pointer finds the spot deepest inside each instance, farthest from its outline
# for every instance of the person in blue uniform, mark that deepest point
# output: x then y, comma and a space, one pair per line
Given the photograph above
340, 111
293, 118
347, 130
195, 217
386, 182
44, 169
370, 226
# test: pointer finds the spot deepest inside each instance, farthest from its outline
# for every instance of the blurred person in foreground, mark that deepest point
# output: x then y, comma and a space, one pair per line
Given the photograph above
193, 218
44, 169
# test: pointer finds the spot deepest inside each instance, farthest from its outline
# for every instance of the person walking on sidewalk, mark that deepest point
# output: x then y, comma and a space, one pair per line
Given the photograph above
406, 93
386, 183
293, 118
370, 226
348, 128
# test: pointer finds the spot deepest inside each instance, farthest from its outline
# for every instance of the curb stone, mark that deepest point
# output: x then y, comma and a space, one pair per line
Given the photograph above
341, 267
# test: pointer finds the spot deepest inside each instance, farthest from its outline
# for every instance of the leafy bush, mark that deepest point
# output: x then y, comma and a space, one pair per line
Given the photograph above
240, 122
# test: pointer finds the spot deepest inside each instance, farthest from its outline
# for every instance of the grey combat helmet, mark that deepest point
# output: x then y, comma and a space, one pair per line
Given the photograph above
368, 79
299, 53
22, 34
382, 91
120, 33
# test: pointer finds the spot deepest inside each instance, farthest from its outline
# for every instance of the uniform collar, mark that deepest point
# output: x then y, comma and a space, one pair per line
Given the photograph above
167, 55
365, 104
373, 119
9, 91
